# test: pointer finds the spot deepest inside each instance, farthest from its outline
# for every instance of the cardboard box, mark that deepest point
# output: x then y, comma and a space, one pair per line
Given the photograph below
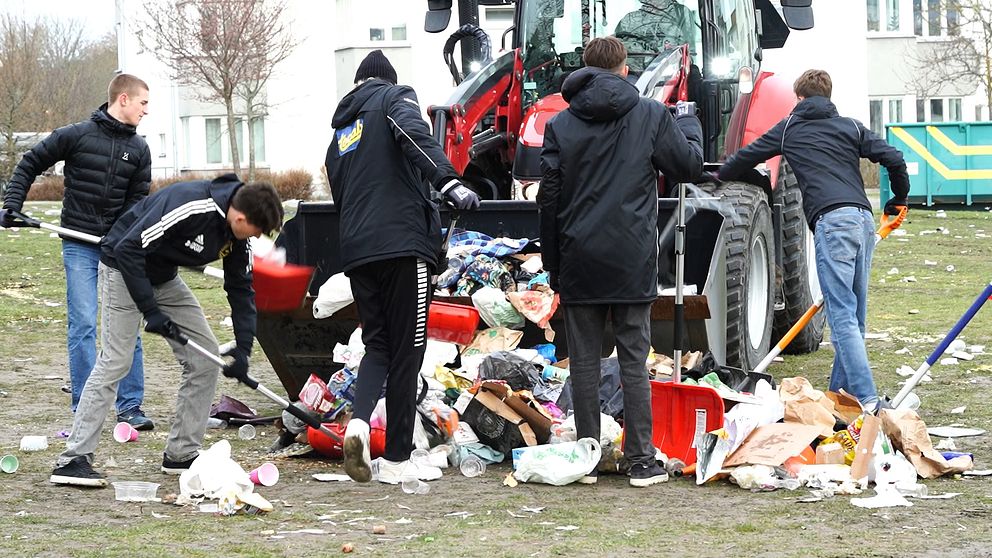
830, 454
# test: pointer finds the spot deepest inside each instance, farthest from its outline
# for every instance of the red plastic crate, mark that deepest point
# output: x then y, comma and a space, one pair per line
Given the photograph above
280, 288
452, 323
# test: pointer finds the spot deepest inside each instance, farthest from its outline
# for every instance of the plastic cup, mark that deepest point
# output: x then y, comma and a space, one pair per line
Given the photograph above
267, 474
472, 466
8, 463
34, 443
125, 433
420, 457
413, 485
246, 432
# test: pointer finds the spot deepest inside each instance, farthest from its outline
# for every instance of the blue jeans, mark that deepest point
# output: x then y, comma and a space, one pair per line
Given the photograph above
81, 262
845, 242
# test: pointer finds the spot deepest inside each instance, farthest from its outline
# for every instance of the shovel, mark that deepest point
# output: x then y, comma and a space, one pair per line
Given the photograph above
888, 225
681, 414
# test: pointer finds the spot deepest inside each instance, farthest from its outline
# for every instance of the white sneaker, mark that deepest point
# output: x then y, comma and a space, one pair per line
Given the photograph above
393, 472
357, 460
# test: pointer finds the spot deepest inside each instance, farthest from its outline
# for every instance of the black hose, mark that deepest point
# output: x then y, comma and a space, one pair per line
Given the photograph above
466, 31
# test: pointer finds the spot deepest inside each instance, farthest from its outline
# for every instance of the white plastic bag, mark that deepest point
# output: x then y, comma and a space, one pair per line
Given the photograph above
495, 310
333, 295
214, 475
558, 464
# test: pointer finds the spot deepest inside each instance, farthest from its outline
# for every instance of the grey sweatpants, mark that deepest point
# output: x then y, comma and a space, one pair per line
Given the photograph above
584, 325
120, 323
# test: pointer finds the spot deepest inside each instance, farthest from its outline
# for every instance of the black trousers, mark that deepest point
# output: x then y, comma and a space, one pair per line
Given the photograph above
392, 297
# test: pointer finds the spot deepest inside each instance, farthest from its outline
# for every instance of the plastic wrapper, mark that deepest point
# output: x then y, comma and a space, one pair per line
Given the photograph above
496, 310
847, 438
333, 295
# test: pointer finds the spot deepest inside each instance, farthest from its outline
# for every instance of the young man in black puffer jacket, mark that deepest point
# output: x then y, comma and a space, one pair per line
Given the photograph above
599, 232
380, 156
107, 170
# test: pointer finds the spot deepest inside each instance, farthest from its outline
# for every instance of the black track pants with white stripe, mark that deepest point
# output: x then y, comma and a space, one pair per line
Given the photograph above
392, 297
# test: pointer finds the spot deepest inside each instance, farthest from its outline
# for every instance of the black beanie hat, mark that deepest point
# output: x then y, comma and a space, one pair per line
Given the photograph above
376, 65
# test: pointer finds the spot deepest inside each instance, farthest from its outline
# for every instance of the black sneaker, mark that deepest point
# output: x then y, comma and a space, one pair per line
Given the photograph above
137, 419
170, 467
77, 472
646, 475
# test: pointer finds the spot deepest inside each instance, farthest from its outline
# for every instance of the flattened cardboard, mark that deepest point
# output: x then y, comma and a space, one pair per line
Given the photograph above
772, 444
863, 452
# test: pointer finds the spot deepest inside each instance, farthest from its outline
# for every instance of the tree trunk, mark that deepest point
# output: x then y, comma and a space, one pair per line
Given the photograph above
232, 134
250, 117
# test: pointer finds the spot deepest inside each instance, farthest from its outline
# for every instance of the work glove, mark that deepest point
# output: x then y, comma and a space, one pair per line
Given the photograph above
685, 107
238, 368
460, 197
708, 176
6, 219
895, 205
157, 322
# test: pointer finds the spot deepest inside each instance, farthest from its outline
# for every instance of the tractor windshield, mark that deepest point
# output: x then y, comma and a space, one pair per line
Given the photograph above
554, 32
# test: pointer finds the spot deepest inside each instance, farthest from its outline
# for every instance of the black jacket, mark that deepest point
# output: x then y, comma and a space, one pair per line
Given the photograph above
107, 170
381, 153
599, 193
825, 151
184, 225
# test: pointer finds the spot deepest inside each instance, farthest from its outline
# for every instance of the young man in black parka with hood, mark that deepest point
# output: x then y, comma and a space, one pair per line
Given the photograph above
379, 158
599, 232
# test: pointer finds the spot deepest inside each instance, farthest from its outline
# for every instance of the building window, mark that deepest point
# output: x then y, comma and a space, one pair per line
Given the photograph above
895, 110
239, 132
161, 145
978, 113
936, 110
499, 17
918, 17
258, 129
398, 33
921, 110
212, 127
875, 111
891, 15
954, 110
887, 12
377, 34
872, 15
953, 24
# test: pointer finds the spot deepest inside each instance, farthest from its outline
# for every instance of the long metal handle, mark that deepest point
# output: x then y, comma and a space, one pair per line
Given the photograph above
38, 224
679, 285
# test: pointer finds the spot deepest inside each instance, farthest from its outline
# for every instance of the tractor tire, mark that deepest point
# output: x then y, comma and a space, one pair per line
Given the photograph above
749, 246
799, 283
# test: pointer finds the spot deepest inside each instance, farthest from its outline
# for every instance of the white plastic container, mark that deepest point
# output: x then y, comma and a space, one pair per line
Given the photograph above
135, 491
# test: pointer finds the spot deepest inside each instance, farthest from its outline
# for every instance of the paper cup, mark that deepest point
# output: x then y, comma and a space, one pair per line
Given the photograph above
8, 463
266, 475
124, 433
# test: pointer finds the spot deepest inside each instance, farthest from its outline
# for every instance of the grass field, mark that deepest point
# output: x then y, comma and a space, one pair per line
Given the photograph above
480, 517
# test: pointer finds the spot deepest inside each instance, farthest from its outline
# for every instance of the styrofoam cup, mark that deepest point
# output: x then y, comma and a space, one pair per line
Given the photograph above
266, 474
8, 463
124, 433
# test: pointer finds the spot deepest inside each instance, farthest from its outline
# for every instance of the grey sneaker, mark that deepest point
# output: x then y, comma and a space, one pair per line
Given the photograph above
646, 475
77, 472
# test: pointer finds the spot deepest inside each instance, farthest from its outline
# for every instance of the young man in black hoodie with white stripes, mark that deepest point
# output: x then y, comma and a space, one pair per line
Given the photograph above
186, 224
380, 156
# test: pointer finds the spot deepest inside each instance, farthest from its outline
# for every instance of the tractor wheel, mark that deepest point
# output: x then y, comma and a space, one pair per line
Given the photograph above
750, 259
799, 281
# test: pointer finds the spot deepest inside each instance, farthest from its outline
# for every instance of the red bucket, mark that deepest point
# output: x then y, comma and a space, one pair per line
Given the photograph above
280, 288
331, 448
452, 323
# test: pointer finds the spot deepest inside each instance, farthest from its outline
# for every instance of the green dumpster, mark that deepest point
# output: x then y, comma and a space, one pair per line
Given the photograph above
948, 162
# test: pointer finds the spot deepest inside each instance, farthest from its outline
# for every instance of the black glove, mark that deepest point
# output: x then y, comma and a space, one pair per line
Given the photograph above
7, 220
459, 196
895, 205
685, 107
238, 368
157, 322
710, 177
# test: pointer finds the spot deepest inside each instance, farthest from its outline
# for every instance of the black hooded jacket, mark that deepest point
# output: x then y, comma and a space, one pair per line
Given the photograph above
825, 151
107, 170
381, 152
599, 192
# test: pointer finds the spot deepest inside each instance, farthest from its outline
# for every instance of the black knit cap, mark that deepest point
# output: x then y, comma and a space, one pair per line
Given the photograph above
376, 65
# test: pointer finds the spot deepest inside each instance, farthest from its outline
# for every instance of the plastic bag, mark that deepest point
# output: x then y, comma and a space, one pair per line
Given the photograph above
495, 310
536, 306
558, 464
333, 295
213, 474
520, 374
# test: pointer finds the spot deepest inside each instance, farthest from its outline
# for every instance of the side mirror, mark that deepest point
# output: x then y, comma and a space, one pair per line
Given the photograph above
798, 14
438, 15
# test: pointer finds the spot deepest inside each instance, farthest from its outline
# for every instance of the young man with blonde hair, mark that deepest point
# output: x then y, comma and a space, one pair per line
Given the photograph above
599, 232
825, 151
107, 170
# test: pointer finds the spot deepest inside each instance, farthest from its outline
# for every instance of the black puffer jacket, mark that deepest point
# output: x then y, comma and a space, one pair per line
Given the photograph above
599, 192
377, 161
107, 170
825, 151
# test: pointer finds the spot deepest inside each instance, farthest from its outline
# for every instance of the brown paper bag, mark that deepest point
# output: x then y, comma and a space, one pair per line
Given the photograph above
846, 407
806, 405
909, 435
492, 340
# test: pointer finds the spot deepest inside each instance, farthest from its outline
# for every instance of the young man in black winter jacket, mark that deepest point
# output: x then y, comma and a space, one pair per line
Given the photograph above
599, 232
825, 151
378, 160
186, 224
107, 170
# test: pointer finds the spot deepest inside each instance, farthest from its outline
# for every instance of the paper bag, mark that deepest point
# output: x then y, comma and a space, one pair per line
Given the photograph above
909, 435
492, 340
846, 407
806, 405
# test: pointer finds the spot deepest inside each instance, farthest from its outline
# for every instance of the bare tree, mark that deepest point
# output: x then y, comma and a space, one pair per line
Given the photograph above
963, 57
220, 48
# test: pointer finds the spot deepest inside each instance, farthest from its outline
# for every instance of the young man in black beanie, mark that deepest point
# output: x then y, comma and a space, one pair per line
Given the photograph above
379, 158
